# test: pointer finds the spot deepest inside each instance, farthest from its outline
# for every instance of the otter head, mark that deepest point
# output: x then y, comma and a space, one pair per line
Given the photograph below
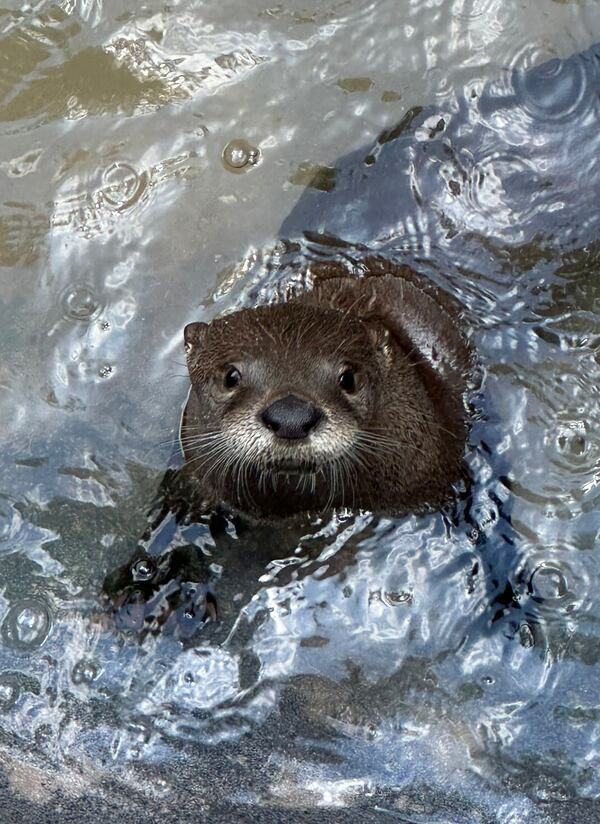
279, 396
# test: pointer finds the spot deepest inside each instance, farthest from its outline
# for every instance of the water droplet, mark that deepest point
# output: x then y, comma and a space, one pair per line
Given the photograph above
27, 624
10, 522
487, 679
43, 735
526, 637
572, 440
142, 569
547, 583
188, 678
105, 371
122, 186
238, 155
394, 599
105, 326
371, 732
79, 302
9, 692
84, 672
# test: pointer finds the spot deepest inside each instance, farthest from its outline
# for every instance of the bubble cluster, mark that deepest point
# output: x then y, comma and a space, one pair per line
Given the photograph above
571, 440
85, 672
239, 155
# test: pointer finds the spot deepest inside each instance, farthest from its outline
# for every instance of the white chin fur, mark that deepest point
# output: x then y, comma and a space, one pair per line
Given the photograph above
326, 444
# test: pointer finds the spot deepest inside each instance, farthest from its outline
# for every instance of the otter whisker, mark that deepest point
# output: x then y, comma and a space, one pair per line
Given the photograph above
242, 477
210, 448
369, 442
247, 465
344, 483
196, 440
191, 442
353, 461
218, 454
171, 442
431, 424
201, 438
334, 485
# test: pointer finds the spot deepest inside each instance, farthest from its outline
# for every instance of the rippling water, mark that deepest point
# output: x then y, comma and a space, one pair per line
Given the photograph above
159, 164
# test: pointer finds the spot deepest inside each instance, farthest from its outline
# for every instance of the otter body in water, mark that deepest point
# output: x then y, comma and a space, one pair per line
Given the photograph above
350, 395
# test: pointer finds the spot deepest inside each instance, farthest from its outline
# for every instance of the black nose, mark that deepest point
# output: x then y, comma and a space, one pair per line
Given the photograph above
291, 418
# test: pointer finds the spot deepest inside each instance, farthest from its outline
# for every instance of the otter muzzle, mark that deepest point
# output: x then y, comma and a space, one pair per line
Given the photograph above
291, 418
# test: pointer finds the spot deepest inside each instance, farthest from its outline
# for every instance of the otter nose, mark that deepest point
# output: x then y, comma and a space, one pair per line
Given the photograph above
291, 418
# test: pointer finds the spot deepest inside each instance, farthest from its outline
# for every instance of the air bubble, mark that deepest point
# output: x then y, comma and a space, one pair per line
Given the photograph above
238, 155
9, 692
526, 637
79, 302
572, 440
105, 371
394, 599
27, 624
547, 583
84, 672
142, 569
122, 186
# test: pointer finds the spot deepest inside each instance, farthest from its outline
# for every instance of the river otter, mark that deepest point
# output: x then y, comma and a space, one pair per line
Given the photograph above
349, 395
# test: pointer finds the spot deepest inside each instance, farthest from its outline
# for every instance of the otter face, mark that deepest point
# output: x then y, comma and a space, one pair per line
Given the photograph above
280, 391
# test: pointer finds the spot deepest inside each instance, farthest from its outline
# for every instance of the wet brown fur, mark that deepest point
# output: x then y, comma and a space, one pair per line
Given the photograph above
401, 335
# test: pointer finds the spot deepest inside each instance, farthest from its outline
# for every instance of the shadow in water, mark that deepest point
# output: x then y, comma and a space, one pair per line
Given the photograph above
440, 190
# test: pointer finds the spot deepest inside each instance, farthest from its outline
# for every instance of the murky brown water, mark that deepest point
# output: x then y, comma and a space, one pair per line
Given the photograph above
153, 165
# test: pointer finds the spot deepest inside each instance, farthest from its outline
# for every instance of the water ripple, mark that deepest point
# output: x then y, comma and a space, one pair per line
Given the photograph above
559, 91
406, 667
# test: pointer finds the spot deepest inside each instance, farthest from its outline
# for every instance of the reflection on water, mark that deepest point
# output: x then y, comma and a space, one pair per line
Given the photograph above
440, 668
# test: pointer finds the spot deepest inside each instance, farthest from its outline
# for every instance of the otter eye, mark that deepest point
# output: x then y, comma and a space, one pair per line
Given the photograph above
232, 378
347, 380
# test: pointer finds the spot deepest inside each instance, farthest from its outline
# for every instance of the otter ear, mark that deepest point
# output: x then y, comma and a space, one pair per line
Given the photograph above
380, 336
193, 335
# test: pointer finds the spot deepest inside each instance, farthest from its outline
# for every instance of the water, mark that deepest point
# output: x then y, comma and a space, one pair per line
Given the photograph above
153, 165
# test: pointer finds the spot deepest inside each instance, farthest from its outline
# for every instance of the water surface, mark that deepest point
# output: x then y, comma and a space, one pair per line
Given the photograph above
162, 164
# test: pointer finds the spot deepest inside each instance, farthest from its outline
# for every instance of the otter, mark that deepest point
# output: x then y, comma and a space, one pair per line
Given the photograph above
349, 395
